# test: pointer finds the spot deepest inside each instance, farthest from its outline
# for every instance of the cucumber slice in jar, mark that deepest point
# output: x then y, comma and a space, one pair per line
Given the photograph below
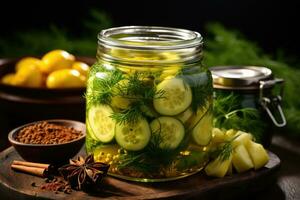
185, 115
100, 122
89, 131
177, 96
202, 132
149, 111
133, 136
169, 130
197, 116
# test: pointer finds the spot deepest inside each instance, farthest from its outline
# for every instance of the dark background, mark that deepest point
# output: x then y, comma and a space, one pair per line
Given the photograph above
272, 24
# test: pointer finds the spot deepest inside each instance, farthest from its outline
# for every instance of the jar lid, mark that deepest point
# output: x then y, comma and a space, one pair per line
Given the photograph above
239, 77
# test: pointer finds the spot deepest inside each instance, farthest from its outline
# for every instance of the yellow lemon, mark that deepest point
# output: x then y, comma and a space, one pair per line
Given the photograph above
81, 67
56, 60
29, 76
8, 79
65, 78
29, 61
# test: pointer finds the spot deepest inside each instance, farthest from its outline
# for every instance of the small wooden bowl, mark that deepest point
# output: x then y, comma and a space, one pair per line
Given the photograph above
49, 153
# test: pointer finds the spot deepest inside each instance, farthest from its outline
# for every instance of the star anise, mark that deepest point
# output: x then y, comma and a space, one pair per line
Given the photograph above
82, 172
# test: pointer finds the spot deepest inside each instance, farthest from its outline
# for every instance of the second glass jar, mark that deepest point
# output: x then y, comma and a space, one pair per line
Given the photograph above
149, 103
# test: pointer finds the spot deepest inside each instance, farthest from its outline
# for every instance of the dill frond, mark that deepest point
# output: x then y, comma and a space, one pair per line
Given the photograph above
228, 115
130, 115
102, 87
223, 150
140, 93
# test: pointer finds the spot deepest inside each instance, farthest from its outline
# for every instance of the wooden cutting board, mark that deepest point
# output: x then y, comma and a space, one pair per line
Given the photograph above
15, 185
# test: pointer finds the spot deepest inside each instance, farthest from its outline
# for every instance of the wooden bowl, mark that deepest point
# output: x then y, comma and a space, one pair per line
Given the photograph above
8, 66
49, 153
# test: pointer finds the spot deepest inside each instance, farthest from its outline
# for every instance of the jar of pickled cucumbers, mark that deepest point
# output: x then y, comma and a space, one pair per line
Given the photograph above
149, 103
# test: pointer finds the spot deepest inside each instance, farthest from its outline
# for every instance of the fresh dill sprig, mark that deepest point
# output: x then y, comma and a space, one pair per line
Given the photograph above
229, 115
153, 156
223, 150
164, 155
137, 161
129, 115
127, 159
139, 88
140, 93
102, 87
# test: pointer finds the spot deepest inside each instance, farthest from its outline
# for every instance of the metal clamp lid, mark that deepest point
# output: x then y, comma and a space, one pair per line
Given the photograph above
276, 100
239, 77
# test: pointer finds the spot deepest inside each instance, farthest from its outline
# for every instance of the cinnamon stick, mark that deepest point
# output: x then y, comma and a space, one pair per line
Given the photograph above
31, 170
30, 164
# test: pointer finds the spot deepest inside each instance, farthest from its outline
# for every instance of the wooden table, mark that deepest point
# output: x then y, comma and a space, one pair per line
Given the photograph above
287, 185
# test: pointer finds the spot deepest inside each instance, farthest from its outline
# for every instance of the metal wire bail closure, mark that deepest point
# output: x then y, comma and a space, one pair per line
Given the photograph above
265, 101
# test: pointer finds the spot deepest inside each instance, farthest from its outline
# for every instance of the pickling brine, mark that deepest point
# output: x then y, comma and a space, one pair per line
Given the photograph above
149, 103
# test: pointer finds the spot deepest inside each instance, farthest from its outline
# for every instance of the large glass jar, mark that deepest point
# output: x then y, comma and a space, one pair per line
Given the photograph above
149, 103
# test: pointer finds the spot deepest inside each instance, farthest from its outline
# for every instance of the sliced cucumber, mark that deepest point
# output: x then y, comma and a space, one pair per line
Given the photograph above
133, 136
202, 132
185, 115
120, 102
102, 125
176, 98
196, 117
89, 130
170, 130
149, 111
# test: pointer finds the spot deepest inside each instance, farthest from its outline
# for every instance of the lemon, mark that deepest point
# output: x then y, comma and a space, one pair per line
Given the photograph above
81, 67
65, 78
8, 79
29, 76
56, 60
29, 61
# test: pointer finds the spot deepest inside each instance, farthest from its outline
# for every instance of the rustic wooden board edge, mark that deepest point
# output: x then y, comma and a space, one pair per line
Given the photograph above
270, 168
273, 166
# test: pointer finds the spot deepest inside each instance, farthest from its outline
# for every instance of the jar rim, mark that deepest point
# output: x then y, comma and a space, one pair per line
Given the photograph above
149, 38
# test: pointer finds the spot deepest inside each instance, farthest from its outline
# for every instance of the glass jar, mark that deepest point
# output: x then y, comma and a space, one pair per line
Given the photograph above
149, 103
252, 87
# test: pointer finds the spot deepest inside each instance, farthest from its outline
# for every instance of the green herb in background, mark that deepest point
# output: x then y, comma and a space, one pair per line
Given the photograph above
37, 42
225, 47
228, 115
222, 47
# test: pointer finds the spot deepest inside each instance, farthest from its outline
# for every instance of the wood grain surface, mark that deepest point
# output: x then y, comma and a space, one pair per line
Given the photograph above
15, 185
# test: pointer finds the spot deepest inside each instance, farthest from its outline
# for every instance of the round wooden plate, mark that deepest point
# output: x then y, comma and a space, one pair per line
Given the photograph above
15, 185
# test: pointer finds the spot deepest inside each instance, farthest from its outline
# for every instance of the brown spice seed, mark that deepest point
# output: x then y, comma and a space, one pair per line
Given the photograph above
47, 133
